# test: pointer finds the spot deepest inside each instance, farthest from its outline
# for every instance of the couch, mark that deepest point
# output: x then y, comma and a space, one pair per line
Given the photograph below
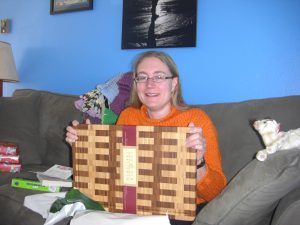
258, 193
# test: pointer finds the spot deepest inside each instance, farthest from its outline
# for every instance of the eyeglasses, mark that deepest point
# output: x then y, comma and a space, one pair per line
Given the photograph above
157, 78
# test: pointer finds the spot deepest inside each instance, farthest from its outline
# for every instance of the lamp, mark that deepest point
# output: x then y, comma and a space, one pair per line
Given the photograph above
8, 72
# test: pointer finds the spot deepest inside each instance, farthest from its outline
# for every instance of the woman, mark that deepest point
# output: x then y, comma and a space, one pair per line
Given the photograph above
156, 100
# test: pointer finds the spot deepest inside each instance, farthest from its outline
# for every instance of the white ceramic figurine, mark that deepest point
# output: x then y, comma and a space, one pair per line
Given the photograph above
274, 139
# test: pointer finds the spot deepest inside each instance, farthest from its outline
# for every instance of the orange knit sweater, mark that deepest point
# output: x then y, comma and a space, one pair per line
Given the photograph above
214, 180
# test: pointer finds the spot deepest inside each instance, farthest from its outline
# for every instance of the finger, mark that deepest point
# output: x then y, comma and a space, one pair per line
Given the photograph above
88, 121
191, 127
196, 141
200, 147
71, 136
75, 123
70, 141
71, 130
195, 138
191, 124
193, 130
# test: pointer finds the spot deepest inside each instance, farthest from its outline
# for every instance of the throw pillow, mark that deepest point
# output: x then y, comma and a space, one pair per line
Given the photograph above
254, 192
19, 124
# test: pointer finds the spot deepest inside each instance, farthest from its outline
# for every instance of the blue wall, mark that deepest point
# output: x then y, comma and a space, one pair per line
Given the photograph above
245, 49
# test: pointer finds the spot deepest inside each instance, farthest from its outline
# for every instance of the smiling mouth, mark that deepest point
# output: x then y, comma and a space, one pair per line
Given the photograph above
151, 94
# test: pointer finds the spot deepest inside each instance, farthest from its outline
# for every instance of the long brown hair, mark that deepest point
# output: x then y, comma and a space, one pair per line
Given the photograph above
177, 99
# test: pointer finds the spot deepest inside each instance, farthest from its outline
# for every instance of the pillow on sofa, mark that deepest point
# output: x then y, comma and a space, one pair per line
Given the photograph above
254, 192
19, 124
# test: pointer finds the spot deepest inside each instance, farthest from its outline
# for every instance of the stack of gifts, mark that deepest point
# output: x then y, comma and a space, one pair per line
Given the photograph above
9, 157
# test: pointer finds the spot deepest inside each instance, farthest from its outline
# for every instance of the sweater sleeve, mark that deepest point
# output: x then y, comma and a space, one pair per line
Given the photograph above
214, 180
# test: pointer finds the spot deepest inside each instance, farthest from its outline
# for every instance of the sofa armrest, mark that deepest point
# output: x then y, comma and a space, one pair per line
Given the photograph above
254, 192
287, 211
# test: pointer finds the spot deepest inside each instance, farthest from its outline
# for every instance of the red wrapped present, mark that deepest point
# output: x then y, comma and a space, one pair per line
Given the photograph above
7, 148
10, 168
10, 159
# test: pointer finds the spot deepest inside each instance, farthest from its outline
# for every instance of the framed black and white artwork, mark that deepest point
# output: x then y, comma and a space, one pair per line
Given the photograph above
159, 23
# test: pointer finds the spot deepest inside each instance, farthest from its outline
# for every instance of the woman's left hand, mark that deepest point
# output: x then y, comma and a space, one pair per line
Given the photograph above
196, 140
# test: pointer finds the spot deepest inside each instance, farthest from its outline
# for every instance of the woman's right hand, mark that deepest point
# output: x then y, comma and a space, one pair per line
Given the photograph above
71, 135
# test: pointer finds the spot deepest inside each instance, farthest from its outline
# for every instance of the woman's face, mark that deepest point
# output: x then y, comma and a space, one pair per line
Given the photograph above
155, 96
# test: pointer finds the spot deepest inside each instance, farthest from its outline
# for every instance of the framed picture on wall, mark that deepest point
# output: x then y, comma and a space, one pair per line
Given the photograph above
159, 23
61, 6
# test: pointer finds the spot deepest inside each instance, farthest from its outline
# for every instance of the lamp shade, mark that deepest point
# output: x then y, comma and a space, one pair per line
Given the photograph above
8, 70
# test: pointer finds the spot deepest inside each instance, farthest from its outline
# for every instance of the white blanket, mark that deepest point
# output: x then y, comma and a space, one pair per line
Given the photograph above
107, 218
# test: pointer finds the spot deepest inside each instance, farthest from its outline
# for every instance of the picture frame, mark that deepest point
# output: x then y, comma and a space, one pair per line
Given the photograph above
62, 6
159, 24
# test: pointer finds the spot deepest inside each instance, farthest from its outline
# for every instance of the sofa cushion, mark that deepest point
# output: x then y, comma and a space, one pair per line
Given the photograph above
19, 124
56, 111
13, 212
254, 192
287, 211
